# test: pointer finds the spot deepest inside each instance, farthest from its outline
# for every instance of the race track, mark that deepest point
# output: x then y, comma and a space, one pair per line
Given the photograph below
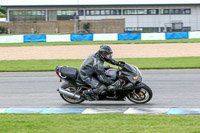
171, 88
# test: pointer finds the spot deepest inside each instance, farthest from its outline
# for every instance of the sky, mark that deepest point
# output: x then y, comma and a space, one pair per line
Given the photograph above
94, 2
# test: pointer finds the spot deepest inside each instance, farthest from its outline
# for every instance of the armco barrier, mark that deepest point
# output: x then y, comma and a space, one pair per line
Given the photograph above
153, 36
12, 39
129, 36
98, 37
176, 35
58, 38
34, 38
81, 37
105, 37
195, 34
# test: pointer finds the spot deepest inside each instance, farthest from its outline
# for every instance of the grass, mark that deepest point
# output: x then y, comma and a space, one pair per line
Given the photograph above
100, 42
102, 123
142, 63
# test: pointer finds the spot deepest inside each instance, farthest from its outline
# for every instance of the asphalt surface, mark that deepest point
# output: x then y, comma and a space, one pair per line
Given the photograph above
171, 88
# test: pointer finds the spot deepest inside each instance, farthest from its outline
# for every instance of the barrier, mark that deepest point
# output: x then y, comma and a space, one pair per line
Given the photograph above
12, 39
195, 34
129, 36
153, 36
58, 38
81, 37
98, 37
34, 38
176, 35
105, 37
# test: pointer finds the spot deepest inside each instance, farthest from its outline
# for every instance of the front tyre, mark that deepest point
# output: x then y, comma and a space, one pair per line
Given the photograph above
140, 95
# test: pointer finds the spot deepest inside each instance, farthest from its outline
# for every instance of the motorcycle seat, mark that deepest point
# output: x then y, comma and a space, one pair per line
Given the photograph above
69, 72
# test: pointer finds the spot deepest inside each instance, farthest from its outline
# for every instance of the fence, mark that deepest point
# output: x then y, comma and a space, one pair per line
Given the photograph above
98, 37
96, 26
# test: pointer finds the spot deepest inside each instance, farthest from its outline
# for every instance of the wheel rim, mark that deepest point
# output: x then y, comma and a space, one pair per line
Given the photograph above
71, 99
140, 97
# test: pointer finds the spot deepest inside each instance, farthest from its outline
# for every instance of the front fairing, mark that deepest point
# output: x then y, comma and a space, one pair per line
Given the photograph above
129, 68
131, 71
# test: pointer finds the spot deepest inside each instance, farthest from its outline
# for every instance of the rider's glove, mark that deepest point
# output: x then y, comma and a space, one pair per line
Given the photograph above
120, 63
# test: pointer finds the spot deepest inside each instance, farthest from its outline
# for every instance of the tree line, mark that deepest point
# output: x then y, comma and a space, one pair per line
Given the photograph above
2, 12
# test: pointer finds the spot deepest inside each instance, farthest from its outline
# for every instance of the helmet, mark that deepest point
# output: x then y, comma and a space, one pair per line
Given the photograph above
104, 51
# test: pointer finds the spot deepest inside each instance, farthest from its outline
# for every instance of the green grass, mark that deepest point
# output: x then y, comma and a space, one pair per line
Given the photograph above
103, 123
100, 42
142, 63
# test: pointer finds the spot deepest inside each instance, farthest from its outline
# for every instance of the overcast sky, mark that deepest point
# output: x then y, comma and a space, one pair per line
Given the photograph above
94, 2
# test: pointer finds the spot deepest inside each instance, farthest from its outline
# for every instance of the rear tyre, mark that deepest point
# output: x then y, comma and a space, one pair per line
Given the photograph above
72, 89
141, 95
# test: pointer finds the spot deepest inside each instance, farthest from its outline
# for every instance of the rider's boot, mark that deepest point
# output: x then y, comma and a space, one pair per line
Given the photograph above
88, 94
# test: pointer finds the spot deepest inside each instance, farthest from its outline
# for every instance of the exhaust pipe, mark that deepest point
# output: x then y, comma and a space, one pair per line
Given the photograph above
69, 94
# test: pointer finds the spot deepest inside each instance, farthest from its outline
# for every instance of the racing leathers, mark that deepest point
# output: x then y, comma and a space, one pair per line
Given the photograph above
92, 66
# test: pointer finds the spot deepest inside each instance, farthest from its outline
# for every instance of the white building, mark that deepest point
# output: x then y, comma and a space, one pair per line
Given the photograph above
139, 15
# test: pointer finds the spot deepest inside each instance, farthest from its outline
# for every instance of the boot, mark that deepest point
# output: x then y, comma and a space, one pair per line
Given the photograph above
88, 94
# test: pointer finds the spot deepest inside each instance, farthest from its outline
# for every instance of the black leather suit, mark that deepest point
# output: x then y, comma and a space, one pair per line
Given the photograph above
93, 65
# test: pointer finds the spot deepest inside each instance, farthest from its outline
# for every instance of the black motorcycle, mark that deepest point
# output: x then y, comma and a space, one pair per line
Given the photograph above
132, 87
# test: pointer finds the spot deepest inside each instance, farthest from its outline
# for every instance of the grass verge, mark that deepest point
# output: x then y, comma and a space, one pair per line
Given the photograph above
102, 123
100, 42
142, 63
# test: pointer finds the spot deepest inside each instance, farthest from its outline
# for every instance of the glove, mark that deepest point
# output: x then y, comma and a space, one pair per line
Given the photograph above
121, 63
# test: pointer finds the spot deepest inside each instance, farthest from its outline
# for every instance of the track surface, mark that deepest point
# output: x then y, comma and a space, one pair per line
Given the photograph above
171, 88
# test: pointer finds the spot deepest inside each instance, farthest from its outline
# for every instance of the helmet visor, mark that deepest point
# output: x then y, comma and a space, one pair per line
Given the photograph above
109, 56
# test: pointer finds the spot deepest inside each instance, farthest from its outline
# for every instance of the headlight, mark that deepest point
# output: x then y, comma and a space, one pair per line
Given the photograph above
135, 77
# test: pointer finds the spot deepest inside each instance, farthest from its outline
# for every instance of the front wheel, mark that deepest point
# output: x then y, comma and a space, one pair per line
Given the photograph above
140, 95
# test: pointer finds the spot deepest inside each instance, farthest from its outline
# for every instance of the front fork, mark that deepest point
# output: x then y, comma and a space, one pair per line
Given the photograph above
138, 87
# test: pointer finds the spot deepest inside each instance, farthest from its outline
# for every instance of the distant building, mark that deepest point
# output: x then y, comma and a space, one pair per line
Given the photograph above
139, 15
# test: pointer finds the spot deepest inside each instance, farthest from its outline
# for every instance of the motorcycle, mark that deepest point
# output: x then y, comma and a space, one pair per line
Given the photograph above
132, 87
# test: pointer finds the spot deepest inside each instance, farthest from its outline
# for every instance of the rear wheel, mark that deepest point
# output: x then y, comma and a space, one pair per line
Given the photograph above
72, 89
141, 95
71, 99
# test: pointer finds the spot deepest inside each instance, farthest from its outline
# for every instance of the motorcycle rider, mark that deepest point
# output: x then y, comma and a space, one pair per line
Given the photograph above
93, 65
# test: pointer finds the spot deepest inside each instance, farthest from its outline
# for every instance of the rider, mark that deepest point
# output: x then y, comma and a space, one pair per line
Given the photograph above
93, 65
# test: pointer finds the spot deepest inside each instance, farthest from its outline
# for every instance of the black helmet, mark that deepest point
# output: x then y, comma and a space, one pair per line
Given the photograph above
105, 50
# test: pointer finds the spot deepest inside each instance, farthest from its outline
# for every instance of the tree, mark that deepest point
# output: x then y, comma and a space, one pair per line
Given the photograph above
2, 12
86, 27
3, 30
2, 15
